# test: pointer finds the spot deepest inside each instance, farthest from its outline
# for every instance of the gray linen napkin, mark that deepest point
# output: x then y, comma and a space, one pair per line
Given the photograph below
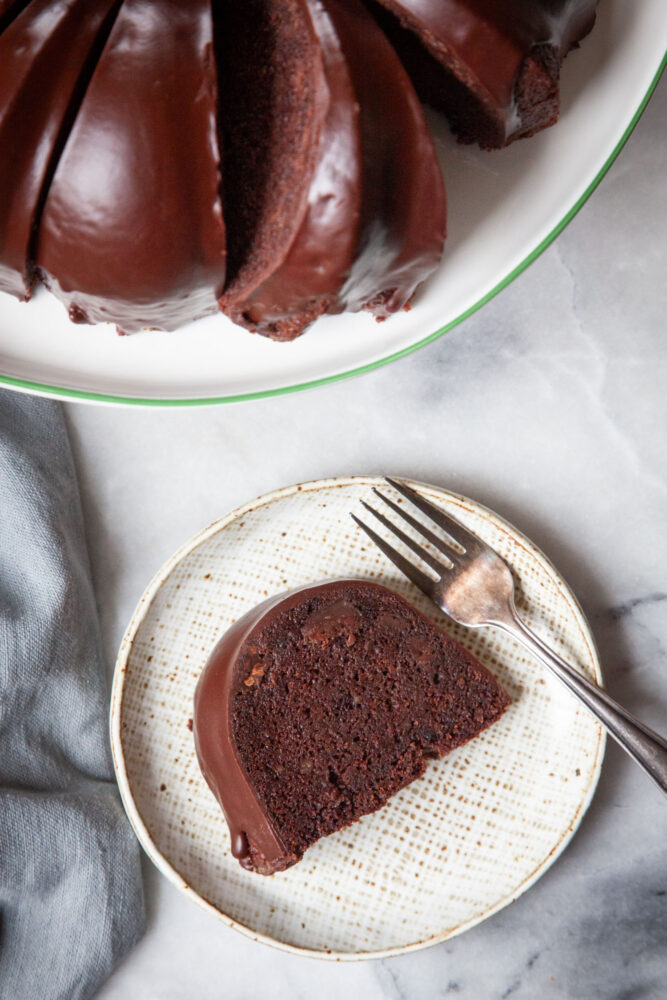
71, 900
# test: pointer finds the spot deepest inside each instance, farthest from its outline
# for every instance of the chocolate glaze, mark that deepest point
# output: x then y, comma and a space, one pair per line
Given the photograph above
251, 831
401, 239
124, 169
326, 615
331, 620
43, 57
485, 42
132, 230
361, 241
249, 826
9, 9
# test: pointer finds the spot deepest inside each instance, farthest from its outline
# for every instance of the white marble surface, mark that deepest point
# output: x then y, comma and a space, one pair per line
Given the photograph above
550, 406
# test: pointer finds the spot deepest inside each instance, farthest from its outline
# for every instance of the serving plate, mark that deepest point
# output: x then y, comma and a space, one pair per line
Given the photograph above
450, 849
504, 209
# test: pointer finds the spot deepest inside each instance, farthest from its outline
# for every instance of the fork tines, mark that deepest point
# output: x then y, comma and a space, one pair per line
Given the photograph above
462, 538
454, 528
420, 580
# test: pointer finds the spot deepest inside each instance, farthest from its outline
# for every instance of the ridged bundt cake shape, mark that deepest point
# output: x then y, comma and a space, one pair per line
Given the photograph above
492, 66
163, 159
44, 52
132, 230
333, 196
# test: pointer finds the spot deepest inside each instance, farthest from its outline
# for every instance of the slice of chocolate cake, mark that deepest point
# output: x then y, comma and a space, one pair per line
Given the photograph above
274, 107
319, 705
335, 199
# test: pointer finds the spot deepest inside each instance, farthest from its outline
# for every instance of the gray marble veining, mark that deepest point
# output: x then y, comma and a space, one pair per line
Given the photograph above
572, 359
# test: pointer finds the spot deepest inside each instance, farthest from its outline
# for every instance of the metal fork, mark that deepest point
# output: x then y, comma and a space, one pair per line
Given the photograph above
475, 588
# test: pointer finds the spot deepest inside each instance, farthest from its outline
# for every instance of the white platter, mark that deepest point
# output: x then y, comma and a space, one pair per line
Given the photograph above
504, 208
450, 849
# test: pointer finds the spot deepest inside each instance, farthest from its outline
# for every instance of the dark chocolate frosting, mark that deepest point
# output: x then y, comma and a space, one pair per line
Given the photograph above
132, 230
9, 9
318, 704
488, 40
110, 154
44, 51
362, 241
401, 239
250, 827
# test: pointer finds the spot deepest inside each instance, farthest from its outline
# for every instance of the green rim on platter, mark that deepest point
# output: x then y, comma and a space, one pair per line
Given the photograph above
98, 397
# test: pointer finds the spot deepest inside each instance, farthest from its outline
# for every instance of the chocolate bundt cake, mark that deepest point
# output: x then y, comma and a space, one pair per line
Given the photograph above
163, 159
319, 705
333, 197
492, 66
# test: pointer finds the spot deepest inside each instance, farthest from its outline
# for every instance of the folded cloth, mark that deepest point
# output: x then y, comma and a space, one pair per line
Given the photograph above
71, 900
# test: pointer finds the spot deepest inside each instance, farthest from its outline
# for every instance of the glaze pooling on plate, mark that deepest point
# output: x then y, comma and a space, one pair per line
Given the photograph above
483, 824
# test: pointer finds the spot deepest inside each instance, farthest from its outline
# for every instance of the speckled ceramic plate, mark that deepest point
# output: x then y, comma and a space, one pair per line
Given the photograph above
504, 209
446, 852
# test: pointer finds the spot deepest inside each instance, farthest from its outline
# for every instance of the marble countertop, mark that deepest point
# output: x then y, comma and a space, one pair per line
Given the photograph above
550, 406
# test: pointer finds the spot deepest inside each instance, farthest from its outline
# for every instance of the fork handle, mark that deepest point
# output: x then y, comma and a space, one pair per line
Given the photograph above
646, 747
